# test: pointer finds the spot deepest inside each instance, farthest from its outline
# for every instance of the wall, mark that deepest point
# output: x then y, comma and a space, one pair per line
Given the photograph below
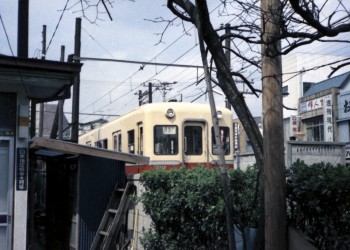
137, 219
315, 152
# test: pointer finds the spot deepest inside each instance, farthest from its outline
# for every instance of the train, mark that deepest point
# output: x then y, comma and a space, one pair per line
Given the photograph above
171, 134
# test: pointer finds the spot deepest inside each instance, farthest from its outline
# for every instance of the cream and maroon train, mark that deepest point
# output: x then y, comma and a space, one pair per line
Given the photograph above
171, 134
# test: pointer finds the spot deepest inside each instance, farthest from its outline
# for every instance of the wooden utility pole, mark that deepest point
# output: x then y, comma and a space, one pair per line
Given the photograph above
76, 85
41, 109
274, 166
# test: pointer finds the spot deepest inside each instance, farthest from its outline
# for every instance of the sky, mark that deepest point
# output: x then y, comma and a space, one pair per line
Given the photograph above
111, 88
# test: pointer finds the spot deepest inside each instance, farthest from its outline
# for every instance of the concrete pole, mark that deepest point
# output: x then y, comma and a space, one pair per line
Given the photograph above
76, 85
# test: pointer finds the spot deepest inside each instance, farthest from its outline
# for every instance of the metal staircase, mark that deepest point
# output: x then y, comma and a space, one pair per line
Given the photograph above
113, 218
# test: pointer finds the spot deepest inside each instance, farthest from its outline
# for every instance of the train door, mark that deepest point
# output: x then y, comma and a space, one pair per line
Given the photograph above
195, 141
6, 191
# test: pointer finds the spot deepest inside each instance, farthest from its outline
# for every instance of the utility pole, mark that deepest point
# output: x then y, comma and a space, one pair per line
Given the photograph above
22, 33
61, 103
163, 87
76, 85
150, 92
228, 54
58, 120
221, 163
41, 108
274, 166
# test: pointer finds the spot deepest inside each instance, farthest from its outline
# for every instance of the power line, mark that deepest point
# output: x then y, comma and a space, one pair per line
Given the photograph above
59, 21
7, 37
136, 62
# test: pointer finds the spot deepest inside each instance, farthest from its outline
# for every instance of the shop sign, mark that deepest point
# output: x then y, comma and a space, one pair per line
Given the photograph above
328, 119
295, 125
21, 170
313, 104
344, 106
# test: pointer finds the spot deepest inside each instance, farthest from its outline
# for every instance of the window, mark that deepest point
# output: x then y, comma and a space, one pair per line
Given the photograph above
193, 140
225, 140
117, 141
131, 141
141, 141
315, 129
166, 140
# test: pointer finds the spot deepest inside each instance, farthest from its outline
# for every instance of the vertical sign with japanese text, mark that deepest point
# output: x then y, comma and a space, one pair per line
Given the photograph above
21, 170
328, 119
295, 125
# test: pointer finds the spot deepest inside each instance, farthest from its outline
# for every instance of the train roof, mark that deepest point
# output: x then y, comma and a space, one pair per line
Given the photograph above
150, 107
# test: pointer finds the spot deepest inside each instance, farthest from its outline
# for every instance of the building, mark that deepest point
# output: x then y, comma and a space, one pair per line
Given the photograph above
323, 110
300, 71
87, 126
23, 81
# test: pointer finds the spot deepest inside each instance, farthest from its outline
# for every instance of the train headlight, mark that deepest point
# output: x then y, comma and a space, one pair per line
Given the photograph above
170, 113
219, 115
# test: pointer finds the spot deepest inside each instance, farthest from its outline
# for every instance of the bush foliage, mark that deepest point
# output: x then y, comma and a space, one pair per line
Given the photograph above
188, 211
187, 208
318, 202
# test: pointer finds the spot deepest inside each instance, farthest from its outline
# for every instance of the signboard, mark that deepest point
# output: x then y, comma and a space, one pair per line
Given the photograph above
347, 153
21, 169
344, 106
328, 120
313, 104
295, 125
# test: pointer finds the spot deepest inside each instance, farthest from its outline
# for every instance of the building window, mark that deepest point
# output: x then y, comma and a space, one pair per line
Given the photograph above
166, 140
225, 140
315, 129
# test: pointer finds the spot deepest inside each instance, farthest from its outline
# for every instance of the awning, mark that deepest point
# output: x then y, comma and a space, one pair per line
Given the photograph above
42, 80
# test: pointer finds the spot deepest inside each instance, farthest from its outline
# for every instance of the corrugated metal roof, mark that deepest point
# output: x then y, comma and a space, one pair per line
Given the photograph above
334, 82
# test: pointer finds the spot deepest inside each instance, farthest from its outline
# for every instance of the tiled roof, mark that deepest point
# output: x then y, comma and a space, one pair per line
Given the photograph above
334, 82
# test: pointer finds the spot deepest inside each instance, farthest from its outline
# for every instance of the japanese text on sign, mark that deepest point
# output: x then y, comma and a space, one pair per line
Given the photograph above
21, 173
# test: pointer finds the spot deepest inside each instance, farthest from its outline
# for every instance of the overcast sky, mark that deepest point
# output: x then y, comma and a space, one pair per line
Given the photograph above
107, 87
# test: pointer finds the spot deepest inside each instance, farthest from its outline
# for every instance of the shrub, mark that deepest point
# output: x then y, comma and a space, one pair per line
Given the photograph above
318, 202
187, 208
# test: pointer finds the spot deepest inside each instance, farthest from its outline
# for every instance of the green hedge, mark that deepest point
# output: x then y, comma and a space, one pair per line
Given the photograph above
187, 208
318, 203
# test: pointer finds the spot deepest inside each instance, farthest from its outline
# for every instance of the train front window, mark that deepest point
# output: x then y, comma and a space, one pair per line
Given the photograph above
193, 140
166, 140
224, 135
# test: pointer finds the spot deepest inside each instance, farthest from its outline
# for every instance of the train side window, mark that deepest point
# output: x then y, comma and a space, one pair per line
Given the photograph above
141, 141
102, 144
225, 140
193, 140
166, 140
115, 142
131, 141
119, 148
